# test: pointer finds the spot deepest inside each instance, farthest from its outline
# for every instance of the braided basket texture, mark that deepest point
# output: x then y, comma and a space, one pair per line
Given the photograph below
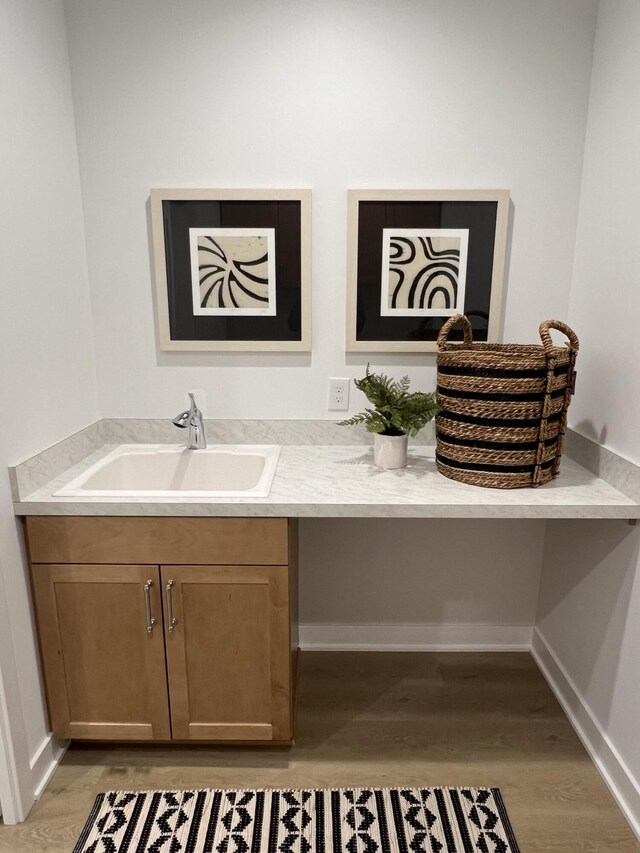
503, 407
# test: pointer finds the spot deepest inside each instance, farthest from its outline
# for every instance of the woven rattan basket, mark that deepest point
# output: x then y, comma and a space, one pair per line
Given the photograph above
503, 407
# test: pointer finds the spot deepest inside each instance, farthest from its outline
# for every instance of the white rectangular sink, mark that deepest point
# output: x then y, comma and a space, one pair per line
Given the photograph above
172, 471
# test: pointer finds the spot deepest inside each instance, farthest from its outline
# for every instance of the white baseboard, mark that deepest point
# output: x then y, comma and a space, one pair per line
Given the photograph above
619, 779
45, 762
416, 638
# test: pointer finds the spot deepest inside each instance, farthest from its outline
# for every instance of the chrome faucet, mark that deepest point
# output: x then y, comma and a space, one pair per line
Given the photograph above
193, 420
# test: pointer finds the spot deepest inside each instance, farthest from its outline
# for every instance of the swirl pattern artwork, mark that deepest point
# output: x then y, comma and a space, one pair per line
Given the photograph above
233, 271
423, 271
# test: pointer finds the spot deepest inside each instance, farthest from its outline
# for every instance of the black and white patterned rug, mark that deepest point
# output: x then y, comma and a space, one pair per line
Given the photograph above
346, 820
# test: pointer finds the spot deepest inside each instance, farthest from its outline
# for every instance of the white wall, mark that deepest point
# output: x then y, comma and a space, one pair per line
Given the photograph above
588, 640
605, 291
589, 616
419, 582
47, 383
327, 95
588, 613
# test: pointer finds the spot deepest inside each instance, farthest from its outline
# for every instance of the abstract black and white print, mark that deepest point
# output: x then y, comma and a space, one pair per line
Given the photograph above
347, 820
233, 271
423, 271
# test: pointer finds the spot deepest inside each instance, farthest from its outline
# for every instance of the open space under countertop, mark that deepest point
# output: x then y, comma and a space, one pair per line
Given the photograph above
342, 481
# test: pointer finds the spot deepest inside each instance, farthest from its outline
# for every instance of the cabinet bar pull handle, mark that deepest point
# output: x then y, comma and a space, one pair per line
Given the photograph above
147, 602
170, 617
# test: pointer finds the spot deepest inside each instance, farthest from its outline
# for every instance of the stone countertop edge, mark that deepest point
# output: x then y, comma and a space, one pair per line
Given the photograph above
311, 480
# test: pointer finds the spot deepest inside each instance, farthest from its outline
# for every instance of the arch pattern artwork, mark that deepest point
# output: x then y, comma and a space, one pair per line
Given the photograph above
423, 271
233, 271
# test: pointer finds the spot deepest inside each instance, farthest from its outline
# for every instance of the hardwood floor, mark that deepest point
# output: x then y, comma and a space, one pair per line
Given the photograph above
381, 720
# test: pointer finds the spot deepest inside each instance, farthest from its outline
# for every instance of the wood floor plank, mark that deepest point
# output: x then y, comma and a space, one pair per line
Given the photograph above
381, 720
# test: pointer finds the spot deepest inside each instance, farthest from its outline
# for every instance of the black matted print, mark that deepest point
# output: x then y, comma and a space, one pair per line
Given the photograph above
418, 257
232, 269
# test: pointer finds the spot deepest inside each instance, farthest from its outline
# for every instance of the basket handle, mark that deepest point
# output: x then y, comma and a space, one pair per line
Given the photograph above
451, 322
547, 343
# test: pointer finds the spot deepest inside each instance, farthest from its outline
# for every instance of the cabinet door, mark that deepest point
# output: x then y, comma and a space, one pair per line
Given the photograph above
104, 669
228, 652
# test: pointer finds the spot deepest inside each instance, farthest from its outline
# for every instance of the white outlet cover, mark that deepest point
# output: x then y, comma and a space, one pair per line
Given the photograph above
339, 393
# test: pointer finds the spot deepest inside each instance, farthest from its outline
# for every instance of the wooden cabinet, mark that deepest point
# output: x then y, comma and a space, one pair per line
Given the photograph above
154, 649
227, 676
105, 672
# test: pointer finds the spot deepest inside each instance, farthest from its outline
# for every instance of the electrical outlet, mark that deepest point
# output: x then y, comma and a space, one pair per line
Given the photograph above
339, 394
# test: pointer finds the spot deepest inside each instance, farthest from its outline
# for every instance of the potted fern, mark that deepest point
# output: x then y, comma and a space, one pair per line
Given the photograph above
396, 414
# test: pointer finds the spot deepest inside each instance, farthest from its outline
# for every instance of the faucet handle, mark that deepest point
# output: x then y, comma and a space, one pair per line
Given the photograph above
194, 411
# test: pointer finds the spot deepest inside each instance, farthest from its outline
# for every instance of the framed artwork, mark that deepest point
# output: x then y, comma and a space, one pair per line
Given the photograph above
417, 257
233, 269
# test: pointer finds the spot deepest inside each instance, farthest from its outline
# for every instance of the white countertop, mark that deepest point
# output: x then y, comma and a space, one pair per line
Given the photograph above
342, 481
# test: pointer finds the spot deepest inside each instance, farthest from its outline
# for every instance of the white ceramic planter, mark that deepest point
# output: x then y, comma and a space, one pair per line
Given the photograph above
390, 451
